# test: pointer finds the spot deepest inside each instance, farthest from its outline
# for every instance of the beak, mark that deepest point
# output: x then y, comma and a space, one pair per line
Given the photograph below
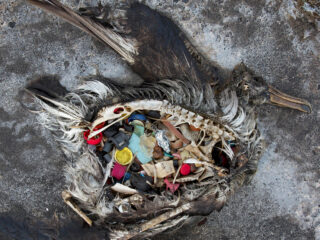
284, 100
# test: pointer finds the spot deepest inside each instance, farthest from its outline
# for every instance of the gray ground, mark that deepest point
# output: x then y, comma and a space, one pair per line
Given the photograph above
274, 38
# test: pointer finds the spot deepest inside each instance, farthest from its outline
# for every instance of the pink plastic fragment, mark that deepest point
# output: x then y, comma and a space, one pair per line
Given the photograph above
177, 155
118, 171
171, 186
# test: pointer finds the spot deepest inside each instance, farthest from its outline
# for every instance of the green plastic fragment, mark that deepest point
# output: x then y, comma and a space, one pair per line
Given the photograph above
168, 154
138, 130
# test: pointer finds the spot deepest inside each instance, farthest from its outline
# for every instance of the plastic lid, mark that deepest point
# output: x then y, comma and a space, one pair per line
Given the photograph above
124, 156
185, 169
136, 116
94, 140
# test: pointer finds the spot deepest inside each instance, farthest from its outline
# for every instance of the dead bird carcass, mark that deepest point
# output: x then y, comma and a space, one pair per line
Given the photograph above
145, 159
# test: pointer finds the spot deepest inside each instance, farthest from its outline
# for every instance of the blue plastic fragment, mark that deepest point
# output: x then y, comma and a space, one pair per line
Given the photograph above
134, 146
127, 176
231, 143
136, 116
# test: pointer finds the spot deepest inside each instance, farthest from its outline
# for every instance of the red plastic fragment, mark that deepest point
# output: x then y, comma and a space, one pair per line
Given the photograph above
118, 110
118, 171
224, 161
171, 186
101, 125
94, 140
185, 169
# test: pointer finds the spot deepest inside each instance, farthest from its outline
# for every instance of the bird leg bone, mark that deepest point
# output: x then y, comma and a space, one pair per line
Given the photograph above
67, 199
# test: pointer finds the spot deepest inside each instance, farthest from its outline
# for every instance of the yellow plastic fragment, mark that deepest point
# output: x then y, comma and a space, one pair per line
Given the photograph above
124, 156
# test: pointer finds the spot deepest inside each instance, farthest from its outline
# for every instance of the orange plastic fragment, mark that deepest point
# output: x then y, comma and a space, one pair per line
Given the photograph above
193, 128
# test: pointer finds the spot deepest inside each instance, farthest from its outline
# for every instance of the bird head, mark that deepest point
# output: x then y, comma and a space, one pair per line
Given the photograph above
256, 91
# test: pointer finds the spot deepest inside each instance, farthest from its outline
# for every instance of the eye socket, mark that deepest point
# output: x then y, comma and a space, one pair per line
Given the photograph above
256, 79
118, 110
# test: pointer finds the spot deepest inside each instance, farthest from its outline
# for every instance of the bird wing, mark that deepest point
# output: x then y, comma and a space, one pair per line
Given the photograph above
151, 43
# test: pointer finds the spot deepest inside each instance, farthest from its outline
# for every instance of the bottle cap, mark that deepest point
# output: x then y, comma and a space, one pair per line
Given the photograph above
94, 140
185, 169
124, 156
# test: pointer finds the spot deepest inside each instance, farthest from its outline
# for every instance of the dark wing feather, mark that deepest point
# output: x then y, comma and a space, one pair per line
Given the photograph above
151, 43
164, 51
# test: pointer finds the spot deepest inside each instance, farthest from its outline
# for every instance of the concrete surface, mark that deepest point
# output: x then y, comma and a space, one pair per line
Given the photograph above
277, 39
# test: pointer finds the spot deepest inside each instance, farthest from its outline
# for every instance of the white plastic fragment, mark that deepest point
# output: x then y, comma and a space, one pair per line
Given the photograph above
162, 140
120, 188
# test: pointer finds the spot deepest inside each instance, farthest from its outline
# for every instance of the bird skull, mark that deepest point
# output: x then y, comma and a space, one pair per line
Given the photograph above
117, 112
122, 111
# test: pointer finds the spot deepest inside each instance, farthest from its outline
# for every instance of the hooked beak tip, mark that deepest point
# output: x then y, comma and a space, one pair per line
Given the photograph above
307, 108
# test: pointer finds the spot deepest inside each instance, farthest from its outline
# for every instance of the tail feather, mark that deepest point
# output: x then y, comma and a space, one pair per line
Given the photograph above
126, 47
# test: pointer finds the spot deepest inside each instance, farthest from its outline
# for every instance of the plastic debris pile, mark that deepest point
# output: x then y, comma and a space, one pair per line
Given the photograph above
150, 156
